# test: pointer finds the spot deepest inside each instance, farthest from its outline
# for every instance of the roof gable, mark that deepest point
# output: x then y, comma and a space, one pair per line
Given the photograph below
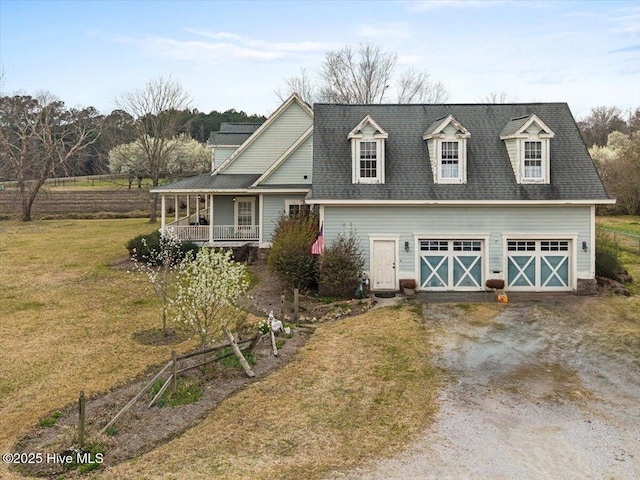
436, 129
279, 131
288, 154
518, 128
378, 131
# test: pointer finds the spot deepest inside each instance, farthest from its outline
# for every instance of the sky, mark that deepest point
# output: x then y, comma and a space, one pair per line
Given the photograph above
236, 54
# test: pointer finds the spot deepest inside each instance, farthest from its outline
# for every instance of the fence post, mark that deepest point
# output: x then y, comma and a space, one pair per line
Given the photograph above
282, 305
174, 372
295, 304
81, 423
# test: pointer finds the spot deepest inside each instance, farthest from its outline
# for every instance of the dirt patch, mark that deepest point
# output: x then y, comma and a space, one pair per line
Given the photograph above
143, 428
156, 336
545, 389
267, 296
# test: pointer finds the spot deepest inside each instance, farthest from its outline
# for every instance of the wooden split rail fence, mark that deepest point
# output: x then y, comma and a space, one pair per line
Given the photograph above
173, 366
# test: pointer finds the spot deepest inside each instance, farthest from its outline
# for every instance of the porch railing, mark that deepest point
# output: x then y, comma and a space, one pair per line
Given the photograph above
200, 233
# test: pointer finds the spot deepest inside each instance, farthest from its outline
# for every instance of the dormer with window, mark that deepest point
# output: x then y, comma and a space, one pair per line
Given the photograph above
367, 151
447, 143
528, 143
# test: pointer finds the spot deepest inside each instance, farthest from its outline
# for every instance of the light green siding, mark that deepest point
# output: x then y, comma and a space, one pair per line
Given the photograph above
295, 168
272, 142
274, 206
222, 153
491, 222
224, 212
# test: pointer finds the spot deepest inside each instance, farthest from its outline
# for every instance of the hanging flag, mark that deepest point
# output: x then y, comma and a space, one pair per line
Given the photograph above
318, 246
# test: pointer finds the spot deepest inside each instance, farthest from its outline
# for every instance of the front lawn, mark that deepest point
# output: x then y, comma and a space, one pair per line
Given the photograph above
67, 318
69, 321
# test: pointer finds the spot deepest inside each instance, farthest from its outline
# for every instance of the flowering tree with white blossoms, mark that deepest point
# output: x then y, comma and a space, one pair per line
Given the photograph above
160, 266
208, 291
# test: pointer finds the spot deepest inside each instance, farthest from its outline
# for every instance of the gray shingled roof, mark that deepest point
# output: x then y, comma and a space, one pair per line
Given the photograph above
489, 173
232, 133
206, 181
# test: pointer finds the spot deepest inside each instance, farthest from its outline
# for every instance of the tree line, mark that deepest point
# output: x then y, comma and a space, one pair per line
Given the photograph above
153, 130
613, 139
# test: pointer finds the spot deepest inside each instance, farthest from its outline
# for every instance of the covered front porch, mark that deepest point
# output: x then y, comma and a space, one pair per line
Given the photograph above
212, 220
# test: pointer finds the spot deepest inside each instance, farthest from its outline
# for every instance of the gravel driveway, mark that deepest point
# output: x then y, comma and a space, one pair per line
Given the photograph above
531, 393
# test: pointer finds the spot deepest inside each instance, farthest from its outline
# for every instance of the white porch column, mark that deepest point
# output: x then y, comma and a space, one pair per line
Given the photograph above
163, 214
198, 208
188, 209
211, 221
177, 207
260, 219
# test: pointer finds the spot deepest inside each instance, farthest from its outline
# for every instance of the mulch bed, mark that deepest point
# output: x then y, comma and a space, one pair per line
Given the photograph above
143, 428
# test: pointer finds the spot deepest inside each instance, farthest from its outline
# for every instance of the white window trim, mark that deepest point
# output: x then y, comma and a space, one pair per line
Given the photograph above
379, 178
544, 178
253, 210
355, 137
462, 161
291, 201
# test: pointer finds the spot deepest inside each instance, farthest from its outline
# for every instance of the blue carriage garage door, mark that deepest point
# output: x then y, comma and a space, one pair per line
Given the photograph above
451, 264
539, 265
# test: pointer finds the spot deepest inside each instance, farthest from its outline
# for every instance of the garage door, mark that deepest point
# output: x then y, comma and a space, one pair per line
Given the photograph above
539, 265
451, 264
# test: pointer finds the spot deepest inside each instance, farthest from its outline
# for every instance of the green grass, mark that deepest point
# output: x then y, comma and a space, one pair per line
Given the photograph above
623, 223
51, 420
68, 318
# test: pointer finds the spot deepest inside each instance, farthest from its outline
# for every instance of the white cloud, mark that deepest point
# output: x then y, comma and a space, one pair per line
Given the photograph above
425, 5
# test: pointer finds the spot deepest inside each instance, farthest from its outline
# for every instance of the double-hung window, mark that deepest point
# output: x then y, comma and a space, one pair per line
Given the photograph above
368, 159
367, 152
449, 160
533, 160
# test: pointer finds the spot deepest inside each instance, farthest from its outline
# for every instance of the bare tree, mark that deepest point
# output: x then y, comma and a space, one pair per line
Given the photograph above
38, 135
499, 97
362, 75
595, 128
302, 85
414, 87
156, 110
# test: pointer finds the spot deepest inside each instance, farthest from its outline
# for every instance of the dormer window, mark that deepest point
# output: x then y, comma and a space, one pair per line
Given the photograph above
533, 160
528, 144
450, 160
447, 142
367, 149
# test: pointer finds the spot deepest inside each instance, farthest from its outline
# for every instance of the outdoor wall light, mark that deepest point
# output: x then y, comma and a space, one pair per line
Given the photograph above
584, 246
406, 246
234, 199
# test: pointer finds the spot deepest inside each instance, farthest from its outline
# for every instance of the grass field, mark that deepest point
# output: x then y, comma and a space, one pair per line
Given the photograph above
631, 262
67, 317
360, 388
623, 223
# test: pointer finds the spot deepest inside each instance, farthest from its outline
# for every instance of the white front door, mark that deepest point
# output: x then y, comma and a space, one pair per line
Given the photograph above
383, 265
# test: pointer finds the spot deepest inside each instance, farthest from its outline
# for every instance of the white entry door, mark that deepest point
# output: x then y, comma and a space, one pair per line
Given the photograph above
383, 265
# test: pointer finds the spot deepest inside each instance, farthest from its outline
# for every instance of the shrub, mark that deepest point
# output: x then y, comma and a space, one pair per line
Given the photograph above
341, 266
290, 256
607, 263
141, 247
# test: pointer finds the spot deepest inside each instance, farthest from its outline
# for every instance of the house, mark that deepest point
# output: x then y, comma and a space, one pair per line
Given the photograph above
448, 195
227, 140
258, 173
455, 195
